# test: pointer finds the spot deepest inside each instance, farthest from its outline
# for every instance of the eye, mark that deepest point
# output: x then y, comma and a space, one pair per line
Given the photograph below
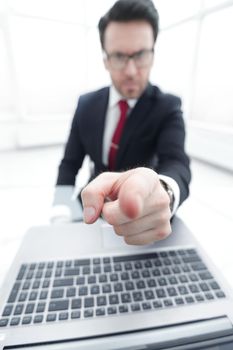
119, 56
140, 54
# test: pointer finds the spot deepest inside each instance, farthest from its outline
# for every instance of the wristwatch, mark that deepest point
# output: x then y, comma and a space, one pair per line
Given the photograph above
170, 193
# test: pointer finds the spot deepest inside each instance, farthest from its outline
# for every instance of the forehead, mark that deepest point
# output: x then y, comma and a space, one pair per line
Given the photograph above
128, 37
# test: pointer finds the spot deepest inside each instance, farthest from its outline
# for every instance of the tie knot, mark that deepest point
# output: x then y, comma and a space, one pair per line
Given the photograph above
123, 106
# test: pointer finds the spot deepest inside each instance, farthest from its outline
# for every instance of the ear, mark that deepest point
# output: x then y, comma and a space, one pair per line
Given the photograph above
106, 63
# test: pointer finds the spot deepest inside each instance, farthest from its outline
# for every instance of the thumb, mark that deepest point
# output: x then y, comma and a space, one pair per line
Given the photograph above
94, 195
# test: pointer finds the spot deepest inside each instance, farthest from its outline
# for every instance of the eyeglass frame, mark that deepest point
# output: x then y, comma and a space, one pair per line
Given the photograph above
128, 57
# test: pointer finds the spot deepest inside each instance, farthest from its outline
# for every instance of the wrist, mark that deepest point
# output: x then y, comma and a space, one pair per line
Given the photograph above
170, 193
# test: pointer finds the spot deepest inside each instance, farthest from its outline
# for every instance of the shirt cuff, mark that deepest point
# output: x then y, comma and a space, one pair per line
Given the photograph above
176, 191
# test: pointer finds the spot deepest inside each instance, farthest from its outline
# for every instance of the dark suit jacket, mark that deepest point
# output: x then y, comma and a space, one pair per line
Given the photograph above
153, 137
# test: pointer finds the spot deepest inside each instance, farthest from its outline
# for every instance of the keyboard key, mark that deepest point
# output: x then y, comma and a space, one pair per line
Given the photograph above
129, 285
23, 296
199, 297
118, 287
51, 317
88, 313
113, 299
151, 283
189, 299
46, 284
182, 290
103, 278
100, 311
106, 288
135, 307
149, 294
111, 310
7, 310
26, 285
36, 284
43, 295
91, 279
125, 298
160, 293
72, 272
63, 282
101, 300
157, 304
27, 320
63, 316
146, 306
123, 308
21, 273
13, 296
179, 301
88, 302
82, 291
114, 277
18, 309
214, 285
80, 281
198, 267
137, 296
33, 296
86, 270
220, 294
76, 303
82, 262
96, 261
71, 292
205, 275
193, 288
4, 322
209, 296
59, 305
95, 289
57, 293
75, 314
140, 284
29, 308
15, 321
168, 302
58, 273
171, 292
40, 307
107, 268
204, 287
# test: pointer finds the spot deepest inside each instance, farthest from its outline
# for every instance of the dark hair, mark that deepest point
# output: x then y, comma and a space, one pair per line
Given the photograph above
130, 10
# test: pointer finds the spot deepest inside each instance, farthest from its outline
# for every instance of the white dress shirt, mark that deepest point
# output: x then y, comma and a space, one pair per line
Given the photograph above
112, 118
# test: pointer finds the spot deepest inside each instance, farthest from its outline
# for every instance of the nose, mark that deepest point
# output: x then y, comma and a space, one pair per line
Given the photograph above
130, 68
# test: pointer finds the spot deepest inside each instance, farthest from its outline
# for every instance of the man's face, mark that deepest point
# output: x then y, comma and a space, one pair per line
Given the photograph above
128, 38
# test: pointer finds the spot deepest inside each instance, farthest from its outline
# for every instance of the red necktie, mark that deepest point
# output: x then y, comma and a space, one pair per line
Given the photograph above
117, 134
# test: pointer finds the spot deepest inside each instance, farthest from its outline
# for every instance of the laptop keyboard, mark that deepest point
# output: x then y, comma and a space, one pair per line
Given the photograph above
58, 291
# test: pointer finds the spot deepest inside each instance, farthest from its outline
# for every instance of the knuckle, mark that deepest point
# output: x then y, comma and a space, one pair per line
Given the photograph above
163, 233
118, 230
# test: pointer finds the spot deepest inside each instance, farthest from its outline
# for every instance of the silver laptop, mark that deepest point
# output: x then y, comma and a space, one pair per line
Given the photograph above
78, 286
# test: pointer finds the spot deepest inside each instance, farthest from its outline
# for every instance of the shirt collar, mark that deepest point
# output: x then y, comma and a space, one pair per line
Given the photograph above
115, 97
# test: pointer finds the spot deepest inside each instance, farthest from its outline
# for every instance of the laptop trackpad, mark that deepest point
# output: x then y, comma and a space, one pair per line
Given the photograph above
112, 241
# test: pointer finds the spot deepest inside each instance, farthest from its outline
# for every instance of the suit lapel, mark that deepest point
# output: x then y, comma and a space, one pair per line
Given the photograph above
134, 121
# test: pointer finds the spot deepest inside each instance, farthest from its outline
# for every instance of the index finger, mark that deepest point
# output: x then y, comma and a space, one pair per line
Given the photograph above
95, 193
135, 191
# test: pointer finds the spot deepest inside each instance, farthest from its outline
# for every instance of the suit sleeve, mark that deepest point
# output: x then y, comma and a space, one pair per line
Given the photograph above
173, 161
73, 155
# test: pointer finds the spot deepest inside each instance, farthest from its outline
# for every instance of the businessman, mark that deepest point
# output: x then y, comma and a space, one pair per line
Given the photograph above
132, 131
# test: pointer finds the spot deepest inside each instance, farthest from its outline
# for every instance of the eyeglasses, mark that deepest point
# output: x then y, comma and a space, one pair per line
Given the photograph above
141, 59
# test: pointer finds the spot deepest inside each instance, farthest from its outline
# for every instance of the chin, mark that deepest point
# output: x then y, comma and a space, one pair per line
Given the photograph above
132, 93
